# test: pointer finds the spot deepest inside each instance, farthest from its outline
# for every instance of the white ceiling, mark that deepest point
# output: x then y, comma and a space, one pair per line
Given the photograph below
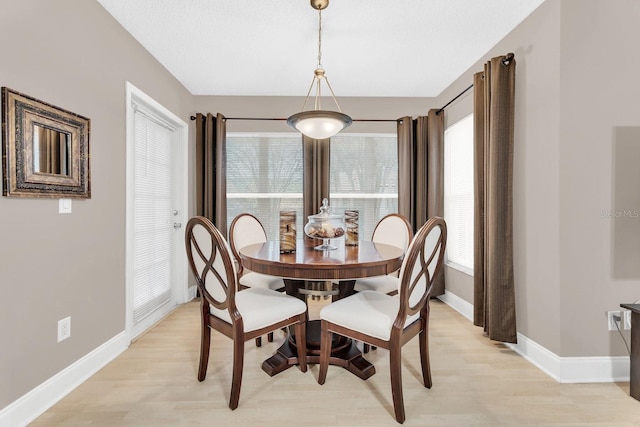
388, 48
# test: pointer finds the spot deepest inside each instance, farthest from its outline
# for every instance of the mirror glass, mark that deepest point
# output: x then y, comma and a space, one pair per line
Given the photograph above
51, 151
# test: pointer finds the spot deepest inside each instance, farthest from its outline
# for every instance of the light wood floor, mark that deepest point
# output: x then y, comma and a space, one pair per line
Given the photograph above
476, 382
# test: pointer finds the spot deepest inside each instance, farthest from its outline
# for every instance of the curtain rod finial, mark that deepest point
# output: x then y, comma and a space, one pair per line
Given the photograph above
508, 58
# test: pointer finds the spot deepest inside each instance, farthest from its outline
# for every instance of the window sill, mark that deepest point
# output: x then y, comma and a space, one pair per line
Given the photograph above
461, 268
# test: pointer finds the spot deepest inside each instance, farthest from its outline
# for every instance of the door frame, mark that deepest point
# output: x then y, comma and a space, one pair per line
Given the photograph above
182, 295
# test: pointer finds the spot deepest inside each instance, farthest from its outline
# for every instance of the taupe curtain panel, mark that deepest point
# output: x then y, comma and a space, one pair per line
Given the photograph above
211, 174
494, 291
421, 172
435, 179
316, 157
406, 171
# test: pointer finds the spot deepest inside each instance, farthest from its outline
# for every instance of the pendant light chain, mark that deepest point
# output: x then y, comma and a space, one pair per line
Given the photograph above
318, 101
320, 39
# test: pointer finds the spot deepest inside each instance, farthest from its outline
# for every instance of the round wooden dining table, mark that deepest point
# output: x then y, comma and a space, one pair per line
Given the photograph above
342, 265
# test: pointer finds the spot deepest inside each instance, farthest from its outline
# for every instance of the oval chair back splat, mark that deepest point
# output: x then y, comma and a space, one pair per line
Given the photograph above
247, 230
395, 230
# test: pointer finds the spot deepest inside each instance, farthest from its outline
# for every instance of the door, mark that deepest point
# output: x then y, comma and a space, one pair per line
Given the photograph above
156, 194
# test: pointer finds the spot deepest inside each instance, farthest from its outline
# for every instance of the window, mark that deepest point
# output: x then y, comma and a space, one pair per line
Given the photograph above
364, 177
458, 193
264, 177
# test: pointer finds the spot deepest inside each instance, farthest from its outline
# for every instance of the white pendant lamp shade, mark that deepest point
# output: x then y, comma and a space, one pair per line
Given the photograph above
319, 124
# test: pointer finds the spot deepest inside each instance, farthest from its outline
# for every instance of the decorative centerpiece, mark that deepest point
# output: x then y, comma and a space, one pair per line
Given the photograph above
325, 226
287, 232
351, 222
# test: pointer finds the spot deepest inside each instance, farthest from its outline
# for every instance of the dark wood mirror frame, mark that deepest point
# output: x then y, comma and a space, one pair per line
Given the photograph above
45, 149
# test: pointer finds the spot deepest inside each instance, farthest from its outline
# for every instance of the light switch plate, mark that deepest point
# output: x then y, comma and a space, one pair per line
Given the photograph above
64, 206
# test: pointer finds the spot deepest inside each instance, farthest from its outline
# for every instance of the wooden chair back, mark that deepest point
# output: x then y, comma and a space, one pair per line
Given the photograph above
211, 263
420, 267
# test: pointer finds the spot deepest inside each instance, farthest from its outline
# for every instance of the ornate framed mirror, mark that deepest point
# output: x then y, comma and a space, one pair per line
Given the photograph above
45, 149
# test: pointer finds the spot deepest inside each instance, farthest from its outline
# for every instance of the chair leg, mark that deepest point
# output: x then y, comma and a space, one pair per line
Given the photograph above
424, 354
236, 381
205, 344
366, 347
259, 342
395, 360
301, 344
270, 337
325, 351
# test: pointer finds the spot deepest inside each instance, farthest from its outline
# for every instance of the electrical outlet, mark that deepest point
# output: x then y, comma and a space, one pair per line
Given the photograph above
611, 321
64, 328
626, 315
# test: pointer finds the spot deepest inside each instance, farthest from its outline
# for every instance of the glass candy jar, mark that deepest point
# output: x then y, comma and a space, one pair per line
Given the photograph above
325, 226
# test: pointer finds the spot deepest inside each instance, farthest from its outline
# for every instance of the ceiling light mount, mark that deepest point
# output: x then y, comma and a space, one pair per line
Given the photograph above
319, 123
319, 4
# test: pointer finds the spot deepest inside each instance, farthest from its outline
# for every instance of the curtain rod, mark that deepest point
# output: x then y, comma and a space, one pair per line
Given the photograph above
506, 60
457, 96
281, 119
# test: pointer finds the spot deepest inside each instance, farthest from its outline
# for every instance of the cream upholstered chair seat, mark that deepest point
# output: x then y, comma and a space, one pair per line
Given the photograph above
251, 279
387, 284
369, 312
390, 321
394, 230
241, 315
262, 307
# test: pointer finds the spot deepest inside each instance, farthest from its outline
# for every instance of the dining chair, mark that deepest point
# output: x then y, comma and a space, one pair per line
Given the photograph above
390, 321
241, 315
393, 229
245, 230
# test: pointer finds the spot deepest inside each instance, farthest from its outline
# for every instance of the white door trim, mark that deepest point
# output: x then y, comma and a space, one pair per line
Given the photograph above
133, 94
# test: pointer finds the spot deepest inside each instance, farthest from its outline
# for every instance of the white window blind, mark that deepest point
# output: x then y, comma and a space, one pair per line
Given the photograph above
458, 192
264, 177
153, 215
364, 177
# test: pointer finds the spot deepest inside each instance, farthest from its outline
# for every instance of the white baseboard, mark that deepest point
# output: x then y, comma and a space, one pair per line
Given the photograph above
573, 369
33, 404
458, 304
561, 369
191, 293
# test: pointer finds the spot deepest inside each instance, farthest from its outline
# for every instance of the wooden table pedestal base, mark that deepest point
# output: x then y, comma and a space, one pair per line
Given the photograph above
344, 353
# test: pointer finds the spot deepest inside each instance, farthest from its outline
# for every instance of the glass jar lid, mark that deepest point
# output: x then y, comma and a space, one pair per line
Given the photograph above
325, 213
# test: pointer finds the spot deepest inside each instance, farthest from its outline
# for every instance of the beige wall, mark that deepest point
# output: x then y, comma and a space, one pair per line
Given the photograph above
576, 85
576, 109
599, 93
74, 55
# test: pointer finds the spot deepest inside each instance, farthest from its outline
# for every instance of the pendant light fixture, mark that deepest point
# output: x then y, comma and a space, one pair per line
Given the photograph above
319, 123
